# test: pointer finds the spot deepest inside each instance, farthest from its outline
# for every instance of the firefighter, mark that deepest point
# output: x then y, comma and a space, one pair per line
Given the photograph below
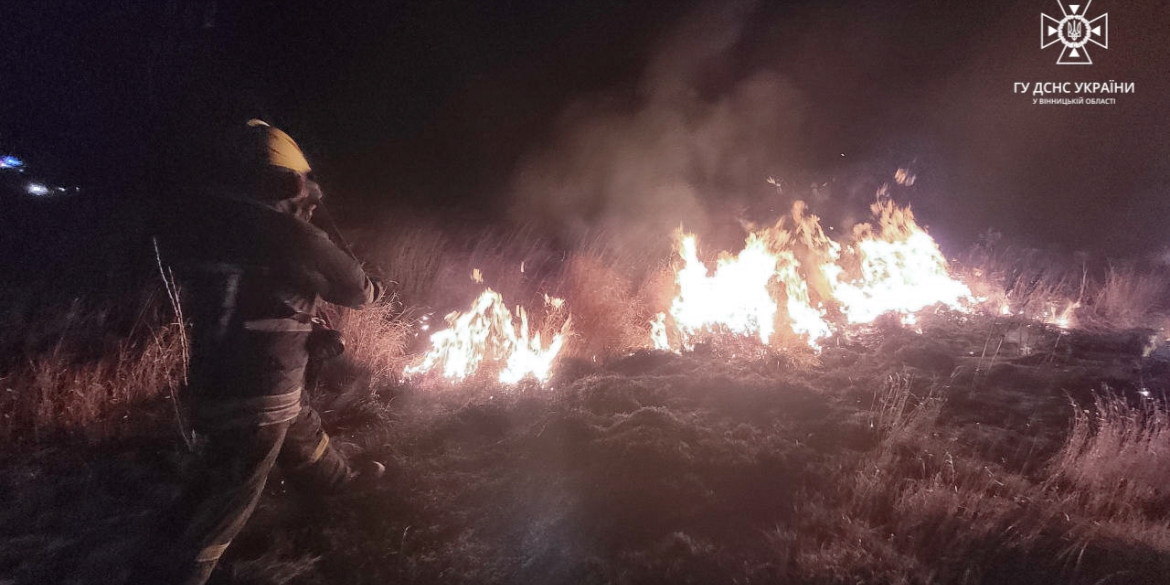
253, 270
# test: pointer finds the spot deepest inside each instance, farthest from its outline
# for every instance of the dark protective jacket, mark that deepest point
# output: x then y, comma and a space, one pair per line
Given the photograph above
251, 278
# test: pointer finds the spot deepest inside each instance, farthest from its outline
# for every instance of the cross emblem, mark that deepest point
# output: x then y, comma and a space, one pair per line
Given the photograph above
1075, 31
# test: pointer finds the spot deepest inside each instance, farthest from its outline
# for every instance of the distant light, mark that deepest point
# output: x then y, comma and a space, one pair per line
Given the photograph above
1144, 392
10, 162
37, 189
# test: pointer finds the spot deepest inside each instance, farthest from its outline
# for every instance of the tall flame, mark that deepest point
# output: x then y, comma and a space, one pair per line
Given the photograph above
702, 299
798, 277
488, 336
902, 269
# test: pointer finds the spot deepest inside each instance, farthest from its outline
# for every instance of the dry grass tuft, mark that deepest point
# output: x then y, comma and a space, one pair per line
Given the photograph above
376, 339
1116, 462
1128, 298
1054, 287
608, 317
95, 398
409, 258
658, 289
923, 508
1032, 282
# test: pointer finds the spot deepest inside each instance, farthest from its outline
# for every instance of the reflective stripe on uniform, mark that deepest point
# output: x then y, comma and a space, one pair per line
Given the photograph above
211, 553
220, 413
320, 450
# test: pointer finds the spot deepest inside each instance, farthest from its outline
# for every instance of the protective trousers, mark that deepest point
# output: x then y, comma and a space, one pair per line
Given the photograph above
233, 470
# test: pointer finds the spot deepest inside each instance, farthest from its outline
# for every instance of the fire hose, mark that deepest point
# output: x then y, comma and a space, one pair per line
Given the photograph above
330, 227
332, 230
325, 342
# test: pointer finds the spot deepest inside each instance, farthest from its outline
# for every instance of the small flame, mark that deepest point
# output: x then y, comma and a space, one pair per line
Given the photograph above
658, 336
488, 336
554, 302
1062, 319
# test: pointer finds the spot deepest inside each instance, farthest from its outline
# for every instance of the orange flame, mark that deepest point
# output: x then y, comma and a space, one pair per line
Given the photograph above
488, 336
895, 267
902, 269
702, 299
1065, 319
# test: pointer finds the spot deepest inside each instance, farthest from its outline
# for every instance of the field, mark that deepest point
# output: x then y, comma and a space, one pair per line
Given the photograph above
967, 448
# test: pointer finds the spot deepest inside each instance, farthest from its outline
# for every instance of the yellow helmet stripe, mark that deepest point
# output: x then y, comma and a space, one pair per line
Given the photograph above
282, 150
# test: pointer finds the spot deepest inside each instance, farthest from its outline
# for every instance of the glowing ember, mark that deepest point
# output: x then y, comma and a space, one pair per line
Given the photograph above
893, 268
487, 336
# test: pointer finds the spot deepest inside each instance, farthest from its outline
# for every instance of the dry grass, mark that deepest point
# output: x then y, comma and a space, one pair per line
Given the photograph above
94, 389
668, 466
1047, 285
655, 468
376, 339
1032, 282
1116, 463
1130, 298
94, 397
923, 508
409, 257
608, 317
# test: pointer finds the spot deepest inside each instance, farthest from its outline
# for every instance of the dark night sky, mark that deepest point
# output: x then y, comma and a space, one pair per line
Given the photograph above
579, 112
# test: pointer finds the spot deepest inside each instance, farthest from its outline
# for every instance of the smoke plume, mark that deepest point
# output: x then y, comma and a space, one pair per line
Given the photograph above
691, 138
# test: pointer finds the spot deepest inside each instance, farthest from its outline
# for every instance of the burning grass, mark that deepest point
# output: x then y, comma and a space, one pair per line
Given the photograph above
939, 452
